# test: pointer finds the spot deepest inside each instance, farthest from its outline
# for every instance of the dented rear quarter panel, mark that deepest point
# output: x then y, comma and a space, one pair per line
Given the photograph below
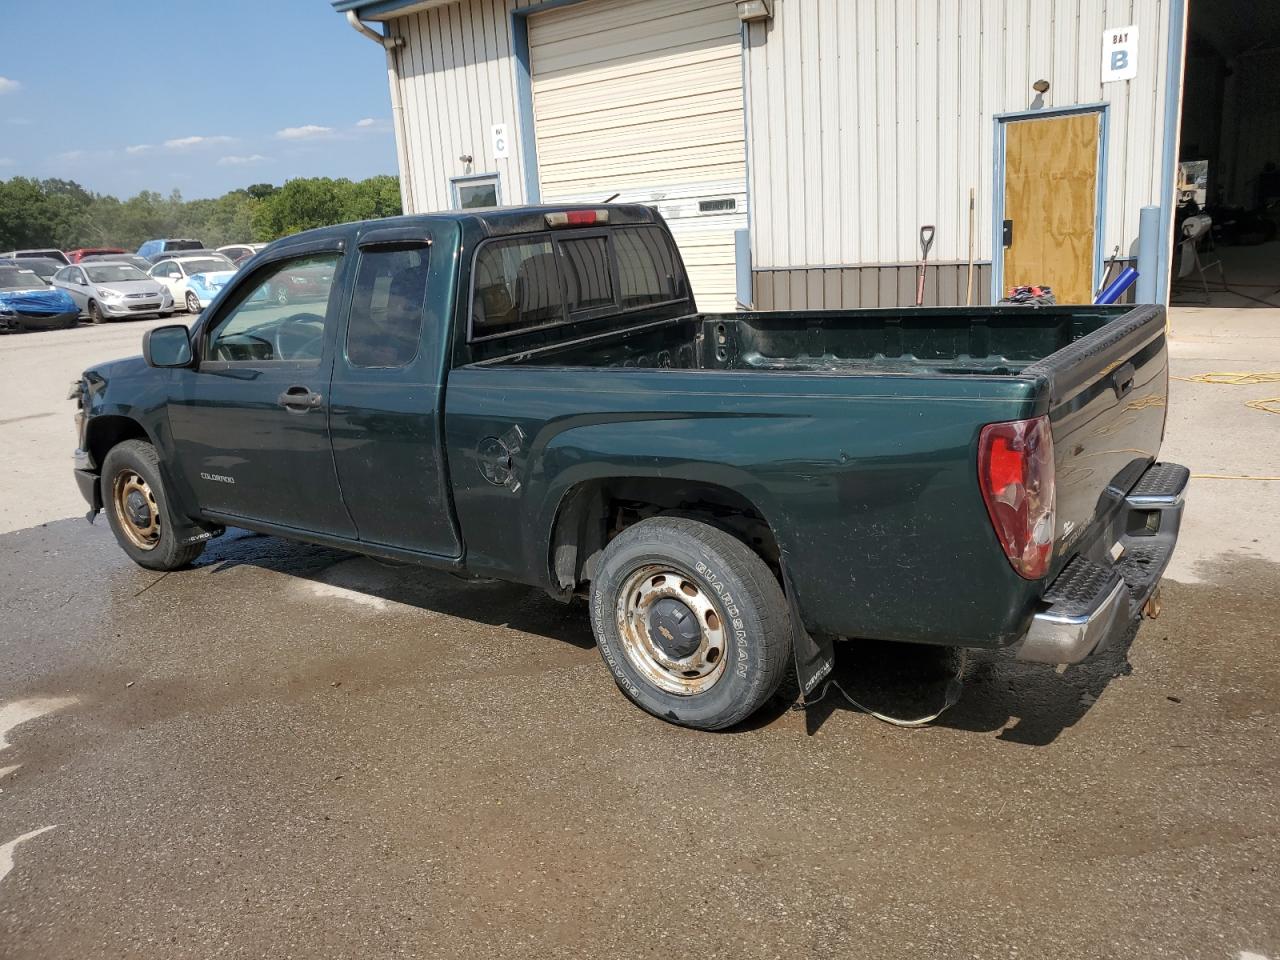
868, 482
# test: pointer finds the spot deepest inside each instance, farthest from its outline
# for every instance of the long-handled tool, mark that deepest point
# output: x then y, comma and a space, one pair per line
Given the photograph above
926, 241
968, 283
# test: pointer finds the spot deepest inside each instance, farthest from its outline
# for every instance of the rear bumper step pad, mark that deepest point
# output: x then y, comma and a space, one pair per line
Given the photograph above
1091, 602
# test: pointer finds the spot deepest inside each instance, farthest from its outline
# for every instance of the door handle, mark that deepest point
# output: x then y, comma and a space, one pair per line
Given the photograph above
1122, 380
299, 399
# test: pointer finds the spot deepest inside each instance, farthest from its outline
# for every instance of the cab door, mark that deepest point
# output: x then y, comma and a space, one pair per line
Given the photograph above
387, 394
250, 420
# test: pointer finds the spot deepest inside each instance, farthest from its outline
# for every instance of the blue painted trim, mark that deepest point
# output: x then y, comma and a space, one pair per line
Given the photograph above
455, 182
366, 9
742, 266
997, 190
524, 106
744, 45
1172, 118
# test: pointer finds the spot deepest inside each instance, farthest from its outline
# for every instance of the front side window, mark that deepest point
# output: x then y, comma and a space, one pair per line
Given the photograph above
387, 307
263, 327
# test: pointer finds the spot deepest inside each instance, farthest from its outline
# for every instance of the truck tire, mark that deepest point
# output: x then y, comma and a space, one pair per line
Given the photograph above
690, 621
137, 507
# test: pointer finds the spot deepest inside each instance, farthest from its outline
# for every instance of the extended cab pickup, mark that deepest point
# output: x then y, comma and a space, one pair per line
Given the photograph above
529, 394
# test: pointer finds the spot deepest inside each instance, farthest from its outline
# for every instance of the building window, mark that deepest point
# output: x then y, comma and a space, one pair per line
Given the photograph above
481, 190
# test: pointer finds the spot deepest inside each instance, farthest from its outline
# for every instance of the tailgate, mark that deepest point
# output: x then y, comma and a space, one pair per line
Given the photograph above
1108, 395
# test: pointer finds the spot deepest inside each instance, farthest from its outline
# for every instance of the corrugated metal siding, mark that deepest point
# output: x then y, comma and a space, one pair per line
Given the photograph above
870, 118
457, 79
870, 285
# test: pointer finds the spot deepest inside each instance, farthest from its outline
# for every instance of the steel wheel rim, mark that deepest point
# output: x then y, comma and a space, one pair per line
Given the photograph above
136, 509
684, 675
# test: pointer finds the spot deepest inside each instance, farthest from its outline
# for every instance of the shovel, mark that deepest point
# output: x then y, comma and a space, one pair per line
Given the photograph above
926, 241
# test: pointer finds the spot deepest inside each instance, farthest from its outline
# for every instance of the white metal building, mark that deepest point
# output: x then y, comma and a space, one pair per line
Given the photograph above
797, 146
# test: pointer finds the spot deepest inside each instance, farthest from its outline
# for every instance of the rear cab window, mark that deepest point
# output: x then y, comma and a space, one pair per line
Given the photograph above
540, 280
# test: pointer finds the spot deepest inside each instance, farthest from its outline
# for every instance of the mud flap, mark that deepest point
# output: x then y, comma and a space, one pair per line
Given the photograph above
814, 656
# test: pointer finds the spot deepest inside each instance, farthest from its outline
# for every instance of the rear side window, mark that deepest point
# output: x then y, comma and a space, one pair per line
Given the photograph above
647, 270
523, 283
387, 307
517, 286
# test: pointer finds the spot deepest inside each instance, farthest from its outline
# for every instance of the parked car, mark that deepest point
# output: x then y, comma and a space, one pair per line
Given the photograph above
110, 291
43, 267
301, 285
239, 253
531, 395
194, 281
27, 302
75, 256
142, 263
50, 254
153, 250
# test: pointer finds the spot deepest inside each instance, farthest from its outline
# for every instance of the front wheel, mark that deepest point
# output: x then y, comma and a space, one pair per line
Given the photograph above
691, 622
95, 312
137, 506
193, 303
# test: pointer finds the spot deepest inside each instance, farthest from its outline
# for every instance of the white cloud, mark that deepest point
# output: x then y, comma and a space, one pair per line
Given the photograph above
138, 148
238, 161
9, 86
7, 161
181, 143
366, 122
307, 132
69, 155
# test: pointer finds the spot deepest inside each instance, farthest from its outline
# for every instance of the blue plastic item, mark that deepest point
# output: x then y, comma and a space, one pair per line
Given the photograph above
1116, 288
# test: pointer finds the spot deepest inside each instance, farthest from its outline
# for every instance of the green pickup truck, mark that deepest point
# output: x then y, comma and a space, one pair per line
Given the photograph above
529, 394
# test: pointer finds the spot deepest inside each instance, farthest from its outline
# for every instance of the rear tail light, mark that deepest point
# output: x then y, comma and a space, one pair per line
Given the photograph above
577, 218
1015, 471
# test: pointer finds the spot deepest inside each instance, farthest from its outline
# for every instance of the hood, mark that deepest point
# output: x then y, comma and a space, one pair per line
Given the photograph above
46, 300
213, 279
100, 373
130, 286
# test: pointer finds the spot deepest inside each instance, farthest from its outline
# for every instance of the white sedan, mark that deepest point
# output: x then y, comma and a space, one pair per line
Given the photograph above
194, 280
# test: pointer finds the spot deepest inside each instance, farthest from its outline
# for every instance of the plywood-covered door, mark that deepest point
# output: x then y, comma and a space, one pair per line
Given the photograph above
644, 101
1051, 203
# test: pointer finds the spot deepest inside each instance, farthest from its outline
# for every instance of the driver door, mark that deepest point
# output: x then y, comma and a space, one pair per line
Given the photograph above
251, 420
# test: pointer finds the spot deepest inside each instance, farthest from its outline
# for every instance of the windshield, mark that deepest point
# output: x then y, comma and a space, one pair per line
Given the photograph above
114, 273
42, 268
209, 265
11, 278
171, 245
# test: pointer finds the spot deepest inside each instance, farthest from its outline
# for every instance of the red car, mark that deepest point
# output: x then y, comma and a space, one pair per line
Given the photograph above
75, 256
306, 283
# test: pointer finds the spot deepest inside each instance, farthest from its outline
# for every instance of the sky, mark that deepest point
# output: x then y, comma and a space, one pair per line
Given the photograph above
200, 97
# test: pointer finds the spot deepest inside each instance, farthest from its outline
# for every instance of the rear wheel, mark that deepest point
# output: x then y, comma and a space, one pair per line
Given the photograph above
95, 314
193, 303
282, 296
691, 622
138, 509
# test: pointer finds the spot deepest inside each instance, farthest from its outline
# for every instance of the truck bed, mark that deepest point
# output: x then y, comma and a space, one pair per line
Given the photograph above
983, 341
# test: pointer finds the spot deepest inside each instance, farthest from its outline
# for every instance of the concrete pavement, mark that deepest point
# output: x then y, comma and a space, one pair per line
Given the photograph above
289, 751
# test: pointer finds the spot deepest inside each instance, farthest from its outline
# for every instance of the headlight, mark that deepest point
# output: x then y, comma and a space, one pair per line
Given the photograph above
109, 294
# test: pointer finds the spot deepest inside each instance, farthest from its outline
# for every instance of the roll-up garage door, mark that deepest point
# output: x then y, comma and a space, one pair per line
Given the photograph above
644, 100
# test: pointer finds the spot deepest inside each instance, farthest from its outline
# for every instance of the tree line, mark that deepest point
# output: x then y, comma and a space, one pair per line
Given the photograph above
63, 214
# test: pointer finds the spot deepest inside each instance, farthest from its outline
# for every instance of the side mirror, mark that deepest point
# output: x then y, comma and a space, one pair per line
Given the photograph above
167, 346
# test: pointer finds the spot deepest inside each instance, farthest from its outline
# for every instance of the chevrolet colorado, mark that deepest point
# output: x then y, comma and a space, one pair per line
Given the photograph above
529, 394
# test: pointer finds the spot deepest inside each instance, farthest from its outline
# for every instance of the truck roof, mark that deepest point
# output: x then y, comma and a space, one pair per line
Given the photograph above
500, 221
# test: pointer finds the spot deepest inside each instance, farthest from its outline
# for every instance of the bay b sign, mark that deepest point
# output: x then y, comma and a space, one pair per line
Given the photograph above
1119, 53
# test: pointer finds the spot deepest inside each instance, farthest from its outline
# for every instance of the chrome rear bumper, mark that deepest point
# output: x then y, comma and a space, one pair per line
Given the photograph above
1095, 598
